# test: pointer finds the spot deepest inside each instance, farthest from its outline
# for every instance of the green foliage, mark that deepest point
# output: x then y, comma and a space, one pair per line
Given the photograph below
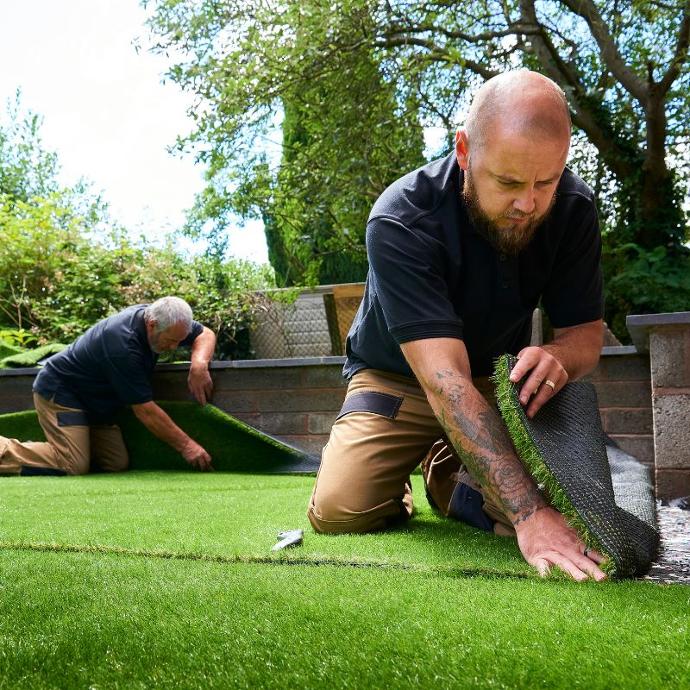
57, 277
8, 343
348, 129
64, 264
354, 78
640, 281
31, 358
26, 168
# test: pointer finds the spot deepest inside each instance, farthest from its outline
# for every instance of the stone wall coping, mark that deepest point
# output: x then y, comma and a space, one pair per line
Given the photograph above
220, 364
316, 290
19, 371
613, 350
618, 350
639, 325
265, 363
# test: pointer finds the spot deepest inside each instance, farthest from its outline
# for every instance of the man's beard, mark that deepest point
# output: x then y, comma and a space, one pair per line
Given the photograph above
506, 240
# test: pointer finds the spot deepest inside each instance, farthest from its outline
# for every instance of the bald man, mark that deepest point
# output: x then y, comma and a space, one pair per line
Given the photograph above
461, 251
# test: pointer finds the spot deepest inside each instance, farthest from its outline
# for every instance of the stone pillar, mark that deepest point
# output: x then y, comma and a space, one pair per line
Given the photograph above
667, 339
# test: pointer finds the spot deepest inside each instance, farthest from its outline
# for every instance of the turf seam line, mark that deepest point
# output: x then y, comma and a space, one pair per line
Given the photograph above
47, 547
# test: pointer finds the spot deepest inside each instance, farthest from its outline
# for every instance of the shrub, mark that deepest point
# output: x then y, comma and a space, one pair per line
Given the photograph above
58, 276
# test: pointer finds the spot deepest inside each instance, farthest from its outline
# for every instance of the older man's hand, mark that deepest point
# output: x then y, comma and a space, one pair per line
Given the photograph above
200, 383
196, 456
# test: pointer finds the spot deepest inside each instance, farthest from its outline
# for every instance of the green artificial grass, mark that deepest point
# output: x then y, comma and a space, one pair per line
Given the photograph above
113, 622
514, 417
7, 350
233, 445
31, 358
167, 580
228, 517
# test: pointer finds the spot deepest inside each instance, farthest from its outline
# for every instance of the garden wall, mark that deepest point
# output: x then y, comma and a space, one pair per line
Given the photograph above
297, 400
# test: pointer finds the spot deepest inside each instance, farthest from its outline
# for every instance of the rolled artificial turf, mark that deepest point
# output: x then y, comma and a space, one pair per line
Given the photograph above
181, 599
233, 445
563, 448
31, 358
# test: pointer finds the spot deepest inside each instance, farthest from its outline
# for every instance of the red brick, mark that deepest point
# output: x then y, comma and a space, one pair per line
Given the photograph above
310, 444
300, 400
236, 401
282, 423
321, 423
621, 368
627, 420
324, 376
624, 393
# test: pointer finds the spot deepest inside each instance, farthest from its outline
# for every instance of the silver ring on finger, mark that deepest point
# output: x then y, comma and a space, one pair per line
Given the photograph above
550, 384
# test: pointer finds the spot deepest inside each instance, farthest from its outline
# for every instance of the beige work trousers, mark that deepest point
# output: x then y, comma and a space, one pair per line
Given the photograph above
71, 444
363, 483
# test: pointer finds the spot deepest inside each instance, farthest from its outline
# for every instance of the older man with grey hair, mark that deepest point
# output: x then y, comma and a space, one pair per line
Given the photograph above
80, 390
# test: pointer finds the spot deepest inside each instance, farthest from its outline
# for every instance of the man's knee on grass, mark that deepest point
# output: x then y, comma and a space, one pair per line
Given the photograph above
328, 515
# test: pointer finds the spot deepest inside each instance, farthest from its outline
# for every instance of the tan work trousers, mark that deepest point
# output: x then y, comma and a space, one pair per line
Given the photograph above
71, 444
363, 483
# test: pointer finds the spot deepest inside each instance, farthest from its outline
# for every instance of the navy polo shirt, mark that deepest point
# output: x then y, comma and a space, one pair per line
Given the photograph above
107, 368
432, 275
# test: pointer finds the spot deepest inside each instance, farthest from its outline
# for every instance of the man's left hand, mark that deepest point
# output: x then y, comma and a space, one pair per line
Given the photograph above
543, 377
200, 383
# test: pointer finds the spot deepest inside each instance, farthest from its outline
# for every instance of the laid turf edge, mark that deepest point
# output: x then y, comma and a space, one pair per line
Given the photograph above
277, 559
515, 420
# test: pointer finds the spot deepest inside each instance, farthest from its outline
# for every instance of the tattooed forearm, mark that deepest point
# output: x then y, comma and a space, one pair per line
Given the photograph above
482, 442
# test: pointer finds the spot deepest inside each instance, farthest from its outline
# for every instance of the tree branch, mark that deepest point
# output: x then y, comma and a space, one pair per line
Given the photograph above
680, 54
584, 116
608, 48
437, 53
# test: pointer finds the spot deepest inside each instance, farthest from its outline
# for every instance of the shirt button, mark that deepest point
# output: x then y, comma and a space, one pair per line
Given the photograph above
502, 257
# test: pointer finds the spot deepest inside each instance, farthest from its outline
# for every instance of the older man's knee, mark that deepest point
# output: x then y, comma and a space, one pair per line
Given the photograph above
112, 463
73, 464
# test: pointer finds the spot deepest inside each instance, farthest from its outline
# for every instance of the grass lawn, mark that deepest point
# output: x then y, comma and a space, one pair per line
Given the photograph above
166, 579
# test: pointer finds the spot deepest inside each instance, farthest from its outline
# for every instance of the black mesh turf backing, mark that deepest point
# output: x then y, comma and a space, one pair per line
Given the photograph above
568, 435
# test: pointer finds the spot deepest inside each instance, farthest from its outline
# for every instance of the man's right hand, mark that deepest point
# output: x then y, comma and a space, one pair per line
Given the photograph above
546, 540
196, 456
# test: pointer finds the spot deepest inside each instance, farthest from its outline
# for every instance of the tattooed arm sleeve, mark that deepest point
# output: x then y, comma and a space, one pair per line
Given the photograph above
476, 431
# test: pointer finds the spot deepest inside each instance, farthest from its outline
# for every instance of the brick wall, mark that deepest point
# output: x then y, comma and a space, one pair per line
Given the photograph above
297, 400
623, 386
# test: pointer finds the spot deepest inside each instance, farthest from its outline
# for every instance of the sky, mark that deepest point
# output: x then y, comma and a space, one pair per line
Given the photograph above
106, 112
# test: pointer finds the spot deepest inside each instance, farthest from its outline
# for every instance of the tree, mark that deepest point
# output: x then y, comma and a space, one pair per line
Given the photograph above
623, 65
26, 168
348, 130
65, 264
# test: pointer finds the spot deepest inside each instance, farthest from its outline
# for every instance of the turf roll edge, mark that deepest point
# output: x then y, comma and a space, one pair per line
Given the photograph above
564, 450
233, 445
